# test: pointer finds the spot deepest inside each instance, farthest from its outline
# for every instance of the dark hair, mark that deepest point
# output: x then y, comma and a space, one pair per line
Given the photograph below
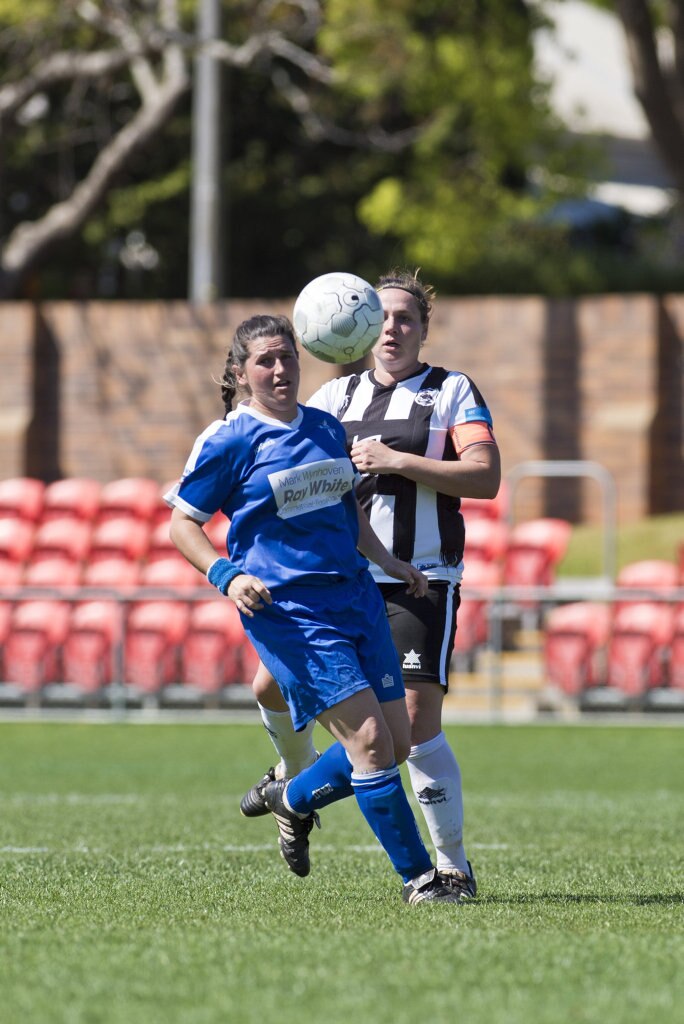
409, 281
260, 326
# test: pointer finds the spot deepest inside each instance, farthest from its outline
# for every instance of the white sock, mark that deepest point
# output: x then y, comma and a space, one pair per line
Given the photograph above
295, 749
436, 781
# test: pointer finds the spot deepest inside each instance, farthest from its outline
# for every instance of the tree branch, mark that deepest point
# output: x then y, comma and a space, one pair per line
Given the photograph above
651, 87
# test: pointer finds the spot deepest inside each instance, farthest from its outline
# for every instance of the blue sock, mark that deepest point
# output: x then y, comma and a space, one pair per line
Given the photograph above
328, 779
385, 806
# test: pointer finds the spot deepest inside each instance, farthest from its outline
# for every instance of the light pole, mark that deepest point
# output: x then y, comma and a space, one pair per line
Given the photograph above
206, 272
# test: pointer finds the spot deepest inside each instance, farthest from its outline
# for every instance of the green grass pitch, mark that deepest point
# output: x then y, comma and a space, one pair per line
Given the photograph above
132, 890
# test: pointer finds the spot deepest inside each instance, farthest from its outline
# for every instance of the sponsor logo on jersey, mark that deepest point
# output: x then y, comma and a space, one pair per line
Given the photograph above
387, 681
428, 396
313, 486
430, 795
411, 660
480, 412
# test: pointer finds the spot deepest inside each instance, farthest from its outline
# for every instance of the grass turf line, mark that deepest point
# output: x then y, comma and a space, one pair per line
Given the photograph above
132, 890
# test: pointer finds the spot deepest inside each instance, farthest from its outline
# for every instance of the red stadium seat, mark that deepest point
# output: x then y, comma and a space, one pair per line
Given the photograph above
11, 575
6, 609
16, 540
212, 655
575, 637
33, 648
472, 619
486, 508
74, 497
134, 497
534, 551
486, 539
21, 497
172, 573
116, 572
656, 574
641, 634
154, 633
161, 545
91, 646
65, 538
676, 664
55, 572
120, 537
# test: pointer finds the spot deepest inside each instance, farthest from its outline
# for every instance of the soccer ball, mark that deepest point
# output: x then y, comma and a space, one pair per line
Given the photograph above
338, 317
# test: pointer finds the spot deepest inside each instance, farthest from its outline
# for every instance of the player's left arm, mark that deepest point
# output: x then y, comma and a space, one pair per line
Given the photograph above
370, 545
476, 473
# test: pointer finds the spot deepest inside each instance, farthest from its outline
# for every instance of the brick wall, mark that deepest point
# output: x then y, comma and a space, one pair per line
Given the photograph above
121, 389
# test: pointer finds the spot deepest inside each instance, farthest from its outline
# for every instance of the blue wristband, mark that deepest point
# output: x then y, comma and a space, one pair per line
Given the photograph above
221, 573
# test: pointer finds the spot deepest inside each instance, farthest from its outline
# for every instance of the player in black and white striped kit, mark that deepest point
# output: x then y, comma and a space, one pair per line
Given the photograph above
422, 438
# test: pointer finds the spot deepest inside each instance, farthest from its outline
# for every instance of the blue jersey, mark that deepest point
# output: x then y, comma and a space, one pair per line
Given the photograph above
287, 489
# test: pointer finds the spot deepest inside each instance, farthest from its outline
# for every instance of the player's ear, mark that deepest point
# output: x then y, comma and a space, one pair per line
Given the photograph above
240, 375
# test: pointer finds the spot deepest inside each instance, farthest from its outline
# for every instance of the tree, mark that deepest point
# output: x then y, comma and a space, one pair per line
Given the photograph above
362, 132
658, 74
93, 84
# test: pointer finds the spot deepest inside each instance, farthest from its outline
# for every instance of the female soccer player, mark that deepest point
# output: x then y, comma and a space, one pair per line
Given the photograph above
281, 474
422, 438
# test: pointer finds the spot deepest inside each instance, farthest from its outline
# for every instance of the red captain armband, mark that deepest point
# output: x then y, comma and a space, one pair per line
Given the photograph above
467, 434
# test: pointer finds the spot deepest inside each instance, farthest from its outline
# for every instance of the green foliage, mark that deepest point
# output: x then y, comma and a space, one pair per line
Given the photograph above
464, 197
463, 74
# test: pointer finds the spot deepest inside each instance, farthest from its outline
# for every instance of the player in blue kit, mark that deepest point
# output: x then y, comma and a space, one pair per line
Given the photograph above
299, 577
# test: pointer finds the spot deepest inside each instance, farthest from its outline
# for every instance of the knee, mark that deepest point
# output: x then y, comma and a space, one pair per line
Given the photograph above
372, 747
267, 691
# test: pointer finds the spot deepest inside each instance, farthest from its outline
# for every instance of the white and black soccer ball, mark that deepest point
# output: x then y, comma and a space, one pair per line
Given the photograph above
338, 317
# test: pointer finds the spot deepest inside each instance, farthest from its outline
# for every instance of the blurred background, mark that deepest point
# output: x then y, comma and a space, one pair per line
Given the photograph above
168, 167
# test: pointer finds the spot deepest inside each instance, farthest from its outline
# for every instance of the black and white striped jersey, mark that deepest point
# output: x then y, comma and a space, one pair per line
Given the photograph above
420, 415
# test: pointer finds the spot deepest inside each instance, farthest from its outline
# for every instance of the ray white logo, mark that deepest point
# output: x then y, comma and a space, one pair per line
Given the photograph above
411, 660
313, 486
387, 681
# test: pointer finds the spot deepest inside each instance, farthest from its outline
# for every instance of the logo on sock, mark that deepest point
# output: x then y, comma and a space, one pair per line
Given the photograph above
323, 791
432, 796
411, 660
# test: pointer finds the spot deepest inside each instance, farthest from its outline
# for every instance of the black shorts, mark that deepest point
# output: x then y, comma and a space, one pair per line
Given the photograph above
423, 630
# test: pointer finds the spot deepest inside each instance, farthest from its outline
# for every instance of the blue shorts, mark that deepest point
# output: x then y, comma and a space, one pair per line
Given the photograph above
324, 643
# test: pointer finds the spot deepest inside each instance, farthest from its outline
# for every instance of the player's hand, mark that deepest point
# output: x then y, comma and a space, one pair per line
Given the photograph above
416, 580
374, 457
249, 594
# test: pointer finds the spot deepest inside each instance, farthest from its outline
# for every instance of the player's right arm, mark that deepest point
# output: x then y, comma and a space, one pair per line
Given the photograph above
248, 592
